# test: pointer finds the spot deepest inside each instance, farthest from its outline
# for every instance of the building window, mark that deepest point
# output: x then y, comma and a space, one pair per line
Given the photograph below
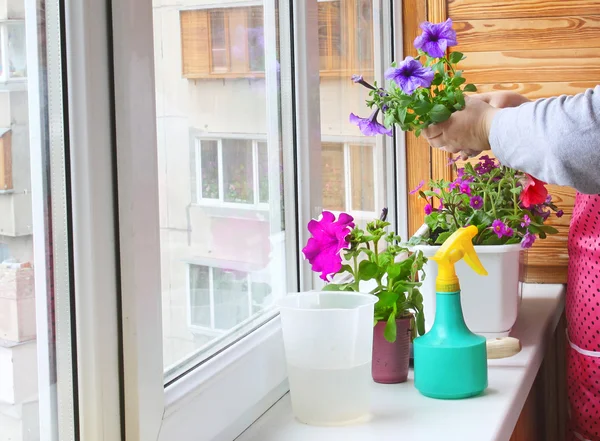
348, 177
222, 42
221, 299
230, 171
229, 42
13, 56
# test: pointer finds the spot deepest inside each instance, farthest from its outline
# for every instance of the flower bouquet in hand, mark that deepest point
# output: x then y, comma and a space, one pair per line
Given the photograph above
507, 206
339, 248
423, 90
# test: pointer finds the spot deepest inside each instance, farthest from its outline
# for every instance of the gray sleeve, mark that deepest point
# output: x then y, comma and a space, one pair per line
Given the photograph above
557, 140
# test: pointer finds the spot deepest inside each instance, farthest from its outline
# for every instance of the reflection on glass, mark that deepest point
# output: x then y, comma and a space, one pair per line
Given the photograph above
17, 56
362, 178
232, 298
218, 41
334, 172
200, 296
209, 160
221, 237
348, 158
263, 173
238, 171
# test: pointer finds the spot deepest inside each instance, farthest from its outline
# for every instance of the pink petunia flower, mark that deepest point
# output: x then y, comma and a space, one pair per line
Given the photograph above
329, 238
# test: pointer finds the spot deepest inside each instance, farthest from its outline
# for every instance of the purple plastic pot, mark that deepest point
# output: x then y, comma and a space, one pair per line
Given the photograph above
390, 360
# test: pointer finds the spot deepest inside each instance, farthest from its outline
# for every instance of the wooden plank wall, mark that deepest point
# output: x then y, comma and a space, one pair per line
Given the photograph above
538, 48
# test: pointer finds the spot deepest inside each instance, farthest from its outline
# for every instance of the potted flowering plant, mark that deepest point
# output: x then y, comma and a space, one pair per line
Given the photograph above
509, 209
423, 90
349, 258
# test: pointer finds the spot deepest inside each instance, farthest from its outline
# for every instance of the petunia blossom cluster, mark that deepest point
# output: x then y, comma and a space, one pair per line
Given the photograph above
422, 90
507, 206
337, 246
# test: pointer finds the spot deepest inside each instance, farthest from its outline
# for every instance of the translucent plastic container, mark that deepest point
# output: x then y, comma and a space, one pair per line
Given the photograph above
328, 339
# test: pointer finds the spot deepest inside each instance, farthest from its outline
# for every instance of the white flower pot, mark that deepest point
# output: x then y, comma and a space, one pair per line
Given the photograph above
490, 303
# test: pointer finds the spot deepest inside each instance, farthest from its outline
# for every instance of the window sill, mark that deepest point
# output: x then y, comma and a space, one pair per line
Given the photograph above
401, 409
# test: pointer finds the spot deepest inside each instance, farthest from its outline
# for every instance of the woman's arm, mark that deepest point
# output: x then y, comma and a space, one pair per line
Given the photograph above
556, 140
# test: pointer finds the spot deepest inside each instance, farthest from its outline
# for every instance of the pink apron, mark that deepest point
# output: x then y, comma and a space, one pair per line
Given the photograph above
583, 318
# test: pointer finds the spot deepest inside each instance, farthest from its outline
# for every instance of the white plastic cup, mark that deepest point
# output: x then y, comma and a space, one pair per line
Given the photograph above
328, 339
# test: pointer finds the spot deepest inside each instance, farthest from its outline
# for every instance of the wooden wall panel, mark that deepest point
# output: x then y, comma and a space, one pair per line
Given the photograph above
474, 9
515, 34
534, 47
418, 152
532, 66
534, 91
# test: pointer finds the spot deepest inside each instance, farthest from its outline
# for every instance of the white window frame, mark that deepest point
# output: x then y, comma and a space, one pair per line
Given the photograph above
252, 371
220, 202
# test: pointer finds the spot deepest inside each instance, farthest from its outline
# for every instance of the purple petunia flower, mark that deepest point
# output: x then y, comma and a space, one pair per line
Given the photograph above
358, 79
560, 213
453, 185
549, 199
436, 38
526, 221
508, 232
499, 227
410, 75
417, 188
528, 240
370, 126
428, 209
476, 202
460, 172
329, 238
453, 161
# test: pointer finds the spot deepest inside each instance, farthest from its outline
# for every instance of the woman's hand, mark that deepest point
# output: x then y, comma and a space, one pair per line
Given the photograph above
467, 132
502, 99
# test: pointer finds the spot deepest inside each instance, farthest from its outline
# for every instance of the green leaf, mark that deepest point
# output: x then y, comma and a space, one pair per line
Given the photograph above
457, 81
439, 68
439, 113
549, 230
410, 117
437, 79
367, 270
390, 328
346, 268
334, 287
418, 132
443, 237
455, 57
404, 100
470, 88
386, 300
402, 114
422, 107
389, 119
421, 322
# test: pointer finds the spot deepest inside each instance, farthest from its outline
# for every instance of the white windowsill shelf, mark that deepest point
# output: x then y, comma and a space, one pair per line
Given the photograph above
400, 412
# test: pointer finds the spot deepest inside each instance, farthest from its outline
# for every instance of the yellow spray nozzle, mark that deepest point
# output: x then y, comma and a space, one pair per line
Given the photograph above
459, 245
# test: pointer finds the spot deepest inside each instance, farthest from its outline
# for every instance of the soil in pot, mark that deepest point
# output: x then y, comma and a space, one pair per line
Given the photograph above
390, 360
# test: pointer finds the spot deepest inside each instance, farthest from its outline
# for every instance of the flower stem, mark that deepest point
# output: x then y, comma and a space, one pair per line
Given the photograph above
356, 278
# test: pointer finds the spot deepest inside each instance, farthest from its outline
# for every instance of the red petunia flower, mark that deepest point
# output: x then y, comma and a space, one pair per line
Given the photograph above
534, 191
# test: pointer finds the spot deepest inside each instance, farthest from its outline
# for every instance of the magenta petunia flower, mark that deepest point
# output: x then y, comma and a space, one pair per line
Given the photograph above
499, 228
526, 221
369, 126
329, 238
460, 172
441, 206
417, 188
508, 232
410, 75
453, 185
453, 161
428, 209
465, 188
436, 38
476, 202
560, 213
528, 240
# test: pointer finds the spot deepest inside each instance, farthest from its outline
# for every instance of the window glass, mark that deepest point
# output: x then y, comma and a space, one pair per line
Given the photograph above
17, 55
209, 160
238, 171
349, 159
218, 41
220, 175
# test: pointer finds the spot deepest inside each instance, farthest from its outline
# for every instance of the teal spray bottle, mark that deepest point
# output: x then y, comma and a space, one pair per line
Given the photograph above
451, 361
